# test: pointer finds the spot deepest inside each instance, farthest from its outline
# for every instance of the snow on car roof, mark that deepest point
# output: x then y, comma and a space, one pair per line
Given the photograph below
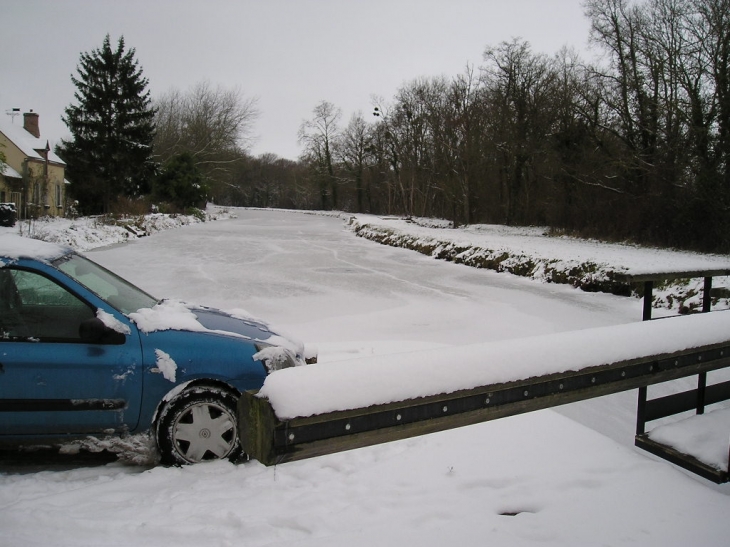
13, 247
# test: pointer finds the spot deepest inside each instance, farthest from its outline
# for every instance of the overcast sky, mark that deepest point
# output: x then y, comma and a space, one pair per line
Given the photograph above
290, 54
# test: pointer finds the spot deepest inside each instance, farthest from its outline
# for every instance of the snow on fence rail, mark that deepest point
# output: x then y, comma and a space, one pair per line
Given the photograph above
330, 407
650, 279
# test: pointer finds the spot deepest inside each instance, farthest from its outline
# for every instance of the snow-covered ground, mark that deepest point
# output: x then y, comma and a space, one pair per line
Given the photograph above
535, 243
531, 252
86, 233
567, 477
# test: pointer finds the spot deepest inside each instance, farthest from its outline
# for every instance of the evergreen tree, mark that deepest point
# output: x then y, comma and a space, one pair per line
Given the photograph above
181, 183
112, 127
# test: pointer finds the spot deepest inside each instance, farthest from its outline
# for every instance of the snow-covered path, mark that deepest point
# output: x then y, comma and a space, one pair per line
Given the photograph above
307, 274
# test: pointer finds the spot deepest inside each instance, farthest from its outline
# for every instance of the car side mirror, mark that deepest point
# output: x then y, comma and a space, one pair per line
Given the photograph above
94, 331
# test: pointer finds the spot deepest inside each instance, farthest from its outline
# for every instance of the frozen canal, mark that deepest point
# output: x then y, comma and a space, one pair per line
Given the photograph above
310, 276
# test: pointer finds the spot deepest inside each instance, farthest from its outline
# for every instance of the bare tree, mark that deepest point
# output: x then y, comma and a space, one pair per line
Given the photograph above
353, 150
667, 91
459, 130
318, 137
520, 85
214, 125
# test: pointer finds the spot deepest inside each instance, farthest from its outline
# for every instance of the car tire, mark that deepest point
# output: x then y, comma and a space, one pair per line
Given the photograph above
199, 425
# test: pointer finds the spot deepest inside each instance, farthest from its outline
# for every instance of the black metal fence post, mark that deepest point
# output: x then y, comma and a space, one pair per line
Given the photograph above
648, 289
701, 387
641, 411
707, 295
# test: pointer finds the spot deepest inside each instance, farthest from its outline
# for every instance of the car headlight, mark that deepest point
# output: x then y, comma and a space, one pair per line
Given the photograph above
274, 357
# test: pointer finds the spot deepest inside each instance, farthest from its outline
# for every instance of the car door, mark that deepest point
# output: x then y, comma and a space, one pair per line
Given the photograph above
53, 382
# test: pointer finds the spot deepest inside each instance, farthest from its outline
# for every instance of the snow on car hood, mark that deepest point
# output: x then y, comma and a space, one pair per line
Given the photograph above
241, 323
177, 315
218, 320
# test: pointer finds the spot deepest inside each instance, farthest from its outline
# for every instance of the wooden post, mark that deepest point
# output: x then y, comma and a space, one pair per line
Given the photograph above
707, 295
648, 289
641, 411
256, 426
701, 387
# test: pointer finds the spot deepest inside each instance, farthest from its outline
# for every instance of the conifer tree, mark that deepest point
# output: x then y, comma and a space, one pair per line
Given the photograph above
112, 128
181, 183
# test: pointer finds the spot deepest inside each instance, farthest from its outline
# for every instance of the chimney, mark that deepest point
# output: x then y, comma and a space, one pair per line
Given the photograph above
30, 124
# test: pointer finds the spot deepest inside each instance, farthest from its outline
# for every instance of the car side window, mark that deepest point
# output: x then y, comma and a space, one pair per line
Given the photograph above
33, 306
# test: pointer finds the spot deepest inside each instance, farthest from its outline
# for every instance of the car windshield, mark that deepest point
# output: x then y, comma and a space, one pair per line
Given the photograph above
119, 293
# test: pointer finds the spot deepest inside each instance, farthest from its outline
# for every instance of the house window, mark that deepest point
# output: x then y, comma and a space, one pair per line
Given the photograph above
59, 196
2, 197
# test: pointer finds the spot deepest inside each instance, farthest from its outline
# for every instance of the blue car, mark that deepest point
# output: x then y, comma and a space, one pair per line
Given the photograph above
84, 353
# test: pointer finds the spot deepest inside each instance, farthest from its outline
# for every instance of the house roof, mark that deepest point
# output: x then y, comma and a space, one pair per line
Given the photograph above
9, 172
27, 143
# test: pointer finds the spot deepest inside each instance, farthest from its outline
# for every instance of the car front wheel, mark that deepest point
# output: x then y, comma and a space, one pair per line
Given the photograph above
198, 425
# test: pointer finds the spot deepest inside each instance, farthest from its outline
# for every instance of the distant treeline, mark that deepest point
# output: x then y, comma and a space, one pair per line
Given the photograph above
636, 147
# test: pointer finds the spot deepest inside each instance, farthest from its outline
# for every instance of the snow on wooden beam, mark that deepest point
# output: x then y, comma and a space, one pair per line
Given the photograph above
667, 275
521, 376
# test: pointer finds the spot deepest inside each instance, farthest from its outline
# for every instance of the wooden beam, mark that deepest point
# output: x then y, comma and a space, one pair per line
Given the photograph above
272, 441
676, 403
685, 461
